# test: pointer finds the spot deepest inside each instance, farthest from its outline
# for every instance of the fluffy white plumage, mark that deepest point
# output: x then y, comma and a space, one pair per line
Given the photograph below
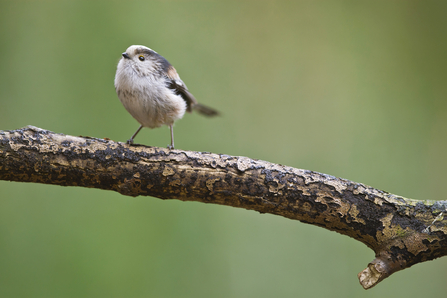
144, 93
151, 91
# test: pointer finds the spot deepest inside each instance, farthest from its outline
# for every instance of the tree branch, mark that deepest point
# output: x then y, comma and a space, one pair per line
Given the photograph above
402, 232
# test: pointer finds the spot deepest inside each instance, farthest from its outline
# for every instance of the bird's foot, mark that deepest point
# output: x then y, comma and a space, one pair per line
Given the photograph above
171, 147
130, 141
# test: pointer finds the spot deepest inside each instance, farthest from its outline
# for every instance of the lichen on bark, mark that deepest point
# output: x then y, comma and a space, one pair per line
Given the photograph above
401, 231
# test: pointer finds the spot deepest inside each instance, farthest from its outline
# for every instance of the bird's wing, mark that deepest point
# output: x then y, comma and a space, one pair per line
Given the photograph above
177, 85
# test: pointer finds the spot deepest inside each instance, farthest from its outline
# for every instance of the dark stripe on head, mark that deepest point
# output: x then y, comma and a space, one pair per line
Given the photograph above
165, 65
145, 51
159, 58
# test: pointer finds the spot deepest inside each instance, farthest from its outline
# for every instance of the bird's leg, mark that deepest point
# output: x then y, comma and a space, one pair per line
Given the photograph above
130, 141
171, 127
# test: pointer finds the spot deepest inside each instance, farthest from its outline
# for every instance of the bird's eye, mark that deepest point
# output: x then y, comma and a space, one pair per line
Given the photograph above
141, 57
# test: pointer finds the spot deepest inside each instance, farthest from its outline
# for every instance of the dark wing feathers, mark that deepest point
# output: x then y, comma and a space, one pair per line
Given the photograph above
177, 85
184, 93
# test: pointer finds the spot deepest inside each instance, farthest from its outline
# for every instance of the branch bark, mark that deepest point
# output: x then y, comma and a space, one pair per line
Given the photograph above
402, 232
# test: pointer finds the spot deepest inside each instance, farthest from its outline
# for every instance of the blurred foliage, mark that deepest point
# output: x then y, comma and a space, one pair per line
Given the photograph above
356, 89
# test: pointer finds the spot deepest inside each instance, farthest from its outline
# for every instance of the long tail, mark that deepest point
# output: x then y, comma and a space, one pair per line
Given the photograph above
206, 111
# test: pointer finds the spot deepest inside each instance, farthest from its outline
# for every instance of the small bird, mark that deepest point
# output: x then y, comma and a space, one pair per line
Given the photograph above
152, 92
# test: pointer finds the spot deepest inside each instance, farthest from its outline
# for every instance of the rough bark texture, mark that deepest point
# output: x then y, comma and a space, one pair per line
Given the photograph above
402, 232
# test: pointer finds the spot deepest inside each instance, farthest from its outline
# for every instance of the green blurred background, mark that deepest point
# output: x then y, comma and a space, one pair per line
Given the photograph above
355, 89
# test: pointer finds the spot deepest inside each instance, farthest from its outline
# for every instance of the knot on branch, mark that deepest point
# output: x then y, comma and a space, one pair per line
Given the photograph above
402, 232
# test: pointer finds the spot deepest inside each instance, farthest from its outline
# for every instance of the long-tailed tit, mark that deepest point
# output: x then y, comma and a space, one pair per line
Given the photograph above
152, 92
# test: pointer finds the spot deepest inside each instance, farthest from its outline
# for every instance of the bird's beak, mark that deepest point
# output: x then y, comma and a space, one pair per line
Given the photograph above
125, 55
